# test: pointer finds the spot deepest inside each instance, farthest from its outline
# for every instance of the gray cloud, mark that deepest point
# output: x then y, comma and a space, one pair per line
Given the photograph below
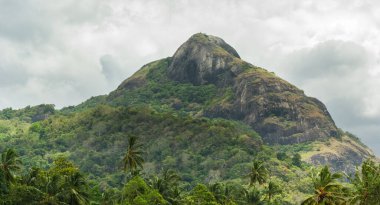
64, 52
12, 75
329, 58
337, 73
112, 70
23, 21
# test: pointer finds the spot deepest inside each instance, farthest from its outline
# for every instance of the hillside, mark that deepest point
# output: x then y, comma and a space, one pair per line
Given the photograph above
203, 112
206, 78
202, 150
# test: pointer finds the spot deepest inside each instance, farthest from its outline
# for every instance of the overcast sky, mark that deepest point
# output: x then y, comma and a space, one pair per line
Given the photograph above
63, 52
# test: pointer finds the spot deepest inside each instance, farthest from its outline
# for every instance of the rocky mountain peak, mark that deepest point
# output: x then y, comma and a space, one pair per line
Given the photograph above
206, 78
205, 59
280, 112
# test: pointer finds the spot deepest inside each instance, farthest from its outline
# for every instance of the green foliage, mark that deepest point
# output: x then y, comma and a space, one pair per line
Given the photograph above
159, 90
61, 184
137, 192
90, 103
228, 193
23, 194
200, 195
366, 184
253, 196
97, 140
28, 114
281, 156
327, 190
8, 165
61, 166
272, 190
167, 184
133, 157
296, 160
258, 173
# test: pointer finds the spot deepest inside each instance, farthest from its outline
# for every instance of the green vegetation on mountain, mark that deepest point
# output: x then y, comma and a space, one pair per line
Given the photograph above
201, 127
28, 114
64, 183
97, 137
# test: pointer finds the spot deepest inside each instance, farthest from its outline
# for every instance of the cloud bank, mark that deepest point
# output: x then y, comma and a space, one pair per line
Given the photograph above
64, 52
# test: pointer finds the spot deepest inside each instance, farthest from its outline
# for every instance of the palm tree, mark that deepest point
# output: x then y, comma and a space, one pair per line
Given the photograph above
228, 193
327, 190
366, 184
75, 185
53, 189
258, 173
31, 177
252, 196
167, 185
217, 189
9, 164
64, 189
272, 190
133, 159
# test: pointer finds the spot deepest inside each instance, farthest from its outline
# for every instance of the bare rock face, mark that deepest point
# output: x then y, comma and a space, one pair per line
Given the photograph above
342, 154
277, 110
205, 59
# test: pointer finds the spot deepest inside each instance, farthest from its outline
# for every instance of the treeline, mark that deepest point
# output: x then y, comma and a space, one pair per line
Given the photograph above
29, 114
63, 183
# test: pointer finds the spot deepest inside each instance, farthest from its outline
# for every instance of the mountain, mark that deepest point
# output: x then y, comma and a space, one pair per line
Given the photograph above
206, 77
277, 110
204, 112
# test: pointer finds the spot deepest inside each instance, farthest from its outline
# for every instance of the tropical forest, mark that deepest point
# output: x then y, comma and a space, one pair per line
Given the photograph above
202, 127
